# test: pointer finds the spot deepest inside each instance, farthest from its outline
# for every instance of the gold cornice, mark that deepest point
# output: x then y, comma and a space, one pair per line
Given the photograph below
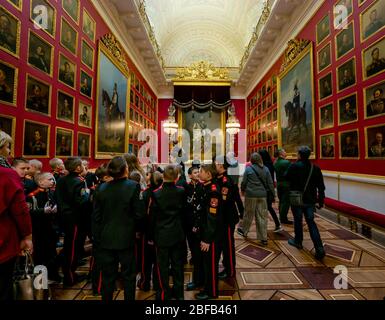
294, 48
202, 71
116, 50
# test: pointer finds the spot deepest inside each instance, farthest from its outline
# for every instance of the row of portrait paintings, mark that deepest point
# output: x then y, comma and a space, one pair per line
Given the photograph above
140, 89
349, 144
372, 20
261, 93
271, 149
374, 104
269, 134
36, 137
263, 122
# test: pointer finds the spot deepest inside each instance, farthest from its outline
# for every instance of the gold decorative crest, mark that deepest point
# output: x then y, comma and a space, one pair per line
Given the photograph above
202, 71
116, 50
293, 50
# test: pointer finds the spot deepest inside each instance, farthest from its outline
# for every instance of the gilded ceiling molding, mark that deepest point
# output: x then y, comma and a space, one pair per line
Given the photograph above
293, 50
116, 50
202, 71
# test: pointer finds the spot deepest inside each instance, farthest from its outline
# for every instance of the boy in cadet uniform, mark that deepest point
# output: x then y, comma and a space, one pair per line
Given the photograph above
168, 204
43, 209
210, 232
35, 166
71, 194
57, 167
21, 166
231, 204
194, 210
148, 263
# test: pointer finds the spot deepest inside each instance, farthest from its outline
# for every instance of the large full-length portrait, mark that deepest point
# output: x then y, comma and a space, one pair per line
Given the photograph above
295, 103
36, 139
40, 53
8, 83
112, 98
375, 100
8, 125
375, 143
9, 32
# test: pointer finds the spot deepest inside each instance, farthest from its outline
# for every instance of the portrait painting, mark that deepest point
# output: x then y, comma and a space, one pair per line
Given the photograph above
85, 115
275, 115
85, 84
38, 96
374, 59
111, 111
295, 104
260, 137
67, 71
346, 74
373, 19
375, 100
9, 32
349, 144
68, 36
325, 86
88, 26
326, 116
72, 8
64, 142
274, 97
84, 145
323, 29
263, 91
8, 125
342, 10
345, 41
270, 150
16, 3
87, 55
65, 107
361, 2
264, 138
36, 139
40, 53
375, 144
327, 145
347, 109
324, 58
275, 133
48, 25
8, 83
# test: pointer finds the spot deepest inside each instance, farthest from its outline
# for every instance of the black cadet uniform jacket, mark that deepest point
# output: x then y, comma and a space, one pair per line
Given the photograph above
117, 210
36, 201
168, 206
212, 220
195, 195
231, 200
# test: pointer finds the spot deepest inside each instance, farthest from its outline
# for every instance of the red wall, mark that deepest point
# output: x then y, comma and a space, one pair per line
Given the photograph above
19, 111
361, 165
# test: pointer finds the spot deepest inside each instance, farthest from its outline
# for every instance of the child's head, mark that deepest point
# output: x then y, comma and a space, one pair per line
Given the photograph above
207, 172
221, 164
85, 168
56, 164
35, 166
21, 166
135, 176
45, 180
117, 168
193, 173
156, 179
74, 165
102, 173
170, 173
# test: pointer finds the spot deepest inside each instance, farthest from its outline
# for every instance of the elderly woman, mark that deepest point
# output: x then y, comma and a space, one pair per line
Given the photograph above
5, 149
256, 184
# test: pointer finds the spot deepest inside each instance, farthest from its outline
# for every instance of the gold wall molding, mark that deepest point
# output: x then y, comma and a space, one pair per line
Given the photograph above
202, 71
116, 50
294, 48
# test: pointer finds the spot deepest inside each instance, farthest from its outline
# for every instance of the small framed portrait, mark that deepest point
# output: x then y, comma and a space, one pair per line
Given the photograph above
85, 115
8, 125
8, 83
270, 134
268, 85
349, 141
264, 137
275, 114
40, 54
343, 9
132, 94
327, 145
137, 101
374, 142
259, 109
260, 137
17, 3
87, 55
9, 32
84, 145
38, 96
275, 133
269, 117
375, 100
68, 36
258, 96
72, 8
326, 116
372, 19
347, 109
374, 59
269, 102
64, 142
325, 86
85, 84
346, 74
137, 84
274, 97
88, 25
264, 90
323, 29
324, 58
264, 122
345, 41
65, 107
274, 79
259, 93
259, 124
49, 25
67, 71
36, 139
270, 150
264, 105
361, 2
275, 150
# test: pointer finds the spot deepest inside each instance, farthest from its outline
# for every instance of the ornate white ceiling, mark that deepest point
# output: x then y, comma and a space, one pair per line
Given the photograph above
216, 31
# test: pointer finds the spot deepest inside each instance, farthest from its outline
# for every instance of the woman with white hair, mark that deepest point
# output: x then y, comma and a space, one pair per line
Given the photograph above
5, 149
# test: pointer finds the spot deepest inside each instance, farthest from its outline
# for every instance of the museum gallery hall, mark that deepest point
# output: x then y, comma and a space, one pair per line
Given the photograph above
196, 150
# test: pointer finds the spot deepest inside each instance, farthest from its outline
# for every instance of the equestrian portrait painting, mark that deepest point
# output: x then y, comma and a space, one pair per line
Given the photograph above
112, 98
296, 104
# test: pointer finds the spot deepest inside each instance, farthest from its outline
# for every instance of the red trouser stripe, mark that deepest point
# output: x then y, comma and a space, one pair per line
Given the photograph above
213, 268
143, 271
230, 252
159, 277
100, 282
73, 252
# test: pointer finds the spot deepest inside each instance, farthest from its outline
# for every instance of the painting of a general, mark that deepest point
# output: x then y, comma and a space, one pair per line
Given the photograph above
9, 32
35, 141
375, 143
375, 100
8, 79
111, 108
296, 105
38, 96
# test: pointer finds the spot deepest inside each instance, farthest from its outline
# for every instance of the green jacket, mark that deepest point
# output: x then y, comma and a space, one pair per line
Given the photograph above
281, 166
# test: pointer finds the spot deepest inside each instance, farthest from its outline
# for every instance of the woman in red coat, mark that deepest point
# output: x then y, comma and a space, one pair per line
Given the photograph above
15, 227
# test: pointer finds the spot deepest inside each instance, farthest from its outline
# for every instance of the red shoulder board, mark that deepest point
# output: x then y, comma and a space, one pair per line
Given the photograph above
34, 193
213, 187
81, 179
224, 179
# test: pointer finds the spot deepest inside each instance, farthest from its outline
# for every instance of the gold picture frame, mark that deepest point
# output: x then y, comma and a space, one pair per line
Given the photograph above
15, 24
47, 136
13, 85
49, 98
380, 148
11, 132
58, 104
18, 7
61, 74
51, 56
354, 94
85, 43
354, 74
363, 36
47, 4
90, 79
82, 122
323, 137
86, 14
342, 33
348, 16
75, 19
329, 75
370, 50
63, 130
327, 47
319, 39
380, 85
65, 23
331, 125
79, 147
341, 135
